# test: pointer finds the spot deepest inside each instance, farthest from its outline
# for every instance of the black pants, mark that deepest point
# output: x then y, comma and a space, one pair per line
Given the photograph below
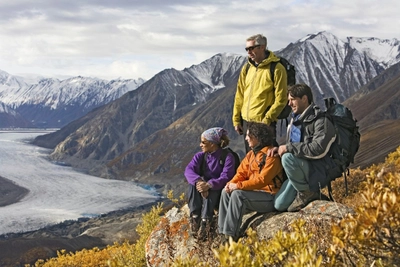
244, 126
203, 207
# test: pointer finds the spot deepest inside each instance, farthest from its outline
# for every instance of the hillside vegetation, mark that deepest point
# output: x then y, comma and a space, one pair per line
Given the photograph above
370, 237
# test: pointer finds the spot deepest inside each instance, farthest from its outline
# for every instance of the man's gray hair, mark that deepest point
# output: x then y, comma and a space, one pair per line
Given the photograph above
259, 39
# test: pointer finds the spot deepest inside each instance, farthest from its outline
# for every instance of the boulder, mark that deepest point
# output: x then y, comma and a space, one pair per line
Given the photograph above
171, 239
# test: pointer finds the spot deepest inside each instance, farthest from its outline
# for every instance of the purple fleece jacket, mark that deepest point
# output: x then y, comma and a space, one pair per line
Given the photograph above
215, 174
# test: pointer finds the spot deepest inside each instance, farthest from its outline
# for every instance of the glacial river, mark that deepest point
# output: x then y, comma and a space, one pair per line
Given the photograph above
56, 193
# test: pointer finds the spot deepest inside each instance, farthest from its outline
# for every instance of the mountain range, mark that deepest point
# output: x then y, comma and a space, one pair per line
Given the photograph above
49, 102
149, 134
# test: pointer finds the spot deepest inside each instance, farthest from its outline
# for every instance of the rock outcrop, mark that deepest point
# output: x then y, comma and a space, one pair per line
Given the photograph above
171, 239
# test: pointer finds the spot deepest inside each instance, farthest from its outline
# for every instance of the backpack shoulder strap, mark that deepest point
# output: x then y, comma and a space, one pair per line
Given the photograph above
223, 155
272, 70
262, 162
203, 164
247, 67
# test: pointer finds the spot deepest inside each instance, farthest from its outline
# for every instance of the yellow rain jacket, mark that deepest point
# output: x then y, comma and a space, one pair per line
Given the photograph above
256, 99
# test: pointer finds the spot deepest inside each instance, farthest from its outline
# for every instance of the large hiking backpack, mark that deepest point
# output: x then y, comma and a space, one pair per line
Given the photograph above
347, 142
291, 80
222, 159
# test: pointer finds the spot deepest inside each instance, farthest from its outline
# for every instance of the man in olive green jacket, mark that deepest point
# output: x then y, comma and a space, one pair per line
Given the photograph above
258, 98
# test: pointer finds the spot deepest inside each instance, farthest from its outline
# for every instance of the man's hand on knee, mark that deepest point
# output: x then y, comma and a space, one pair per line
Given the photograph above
282, 150
273, 152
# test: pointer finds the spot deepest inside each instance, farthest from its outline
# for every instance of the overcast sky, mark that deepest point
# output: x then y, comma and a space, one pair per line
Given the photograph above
131, 38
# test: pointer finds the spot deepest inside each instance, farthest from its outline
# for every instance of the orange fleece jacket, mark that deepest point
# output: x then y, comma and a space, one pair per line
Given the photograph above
249, 176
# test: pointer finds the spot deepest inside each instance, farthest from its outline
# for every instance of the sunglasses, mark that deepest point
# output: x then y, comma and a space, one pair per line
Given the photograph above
250, 48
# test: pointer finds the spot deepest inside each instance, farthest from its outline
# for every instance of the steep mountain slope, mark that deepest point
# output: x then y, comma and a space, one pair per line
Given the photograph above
377, 109
11, 118
380, 98
149, 134
377, 141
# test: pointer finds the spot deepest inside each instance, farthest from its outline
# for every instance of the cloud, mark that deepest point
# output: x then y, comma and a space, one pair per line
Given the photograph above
132, 39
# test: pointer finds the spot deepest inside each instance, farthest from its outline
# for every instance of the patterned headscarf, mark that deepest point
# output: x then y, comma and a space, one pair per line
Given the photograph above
214, 134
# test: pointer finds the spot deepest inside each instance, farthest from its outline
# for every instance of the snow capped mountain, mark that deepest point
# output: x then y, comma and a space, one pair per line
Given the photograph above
54, 93
87, 92
52, 96
213, 70
8, 81
385, 52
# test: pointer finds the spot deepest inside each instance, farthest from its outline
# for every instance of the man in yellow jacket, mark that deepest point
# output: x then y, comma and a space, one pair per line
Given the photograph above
258, 98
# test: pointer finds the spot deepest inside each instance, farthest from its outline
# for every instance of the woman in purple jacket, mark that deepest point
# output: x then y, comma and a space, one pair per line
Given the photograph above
207, 177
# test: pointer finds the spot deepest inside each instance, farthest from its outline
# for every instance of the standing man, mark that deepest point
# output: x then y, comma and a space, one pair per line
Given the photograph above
305, 157
257, 98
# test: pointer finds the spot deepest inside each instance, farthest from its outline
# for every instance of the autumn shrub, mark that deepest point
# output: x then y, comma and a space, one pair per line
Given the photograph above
372, 236
135, 254
94, 257
178, 201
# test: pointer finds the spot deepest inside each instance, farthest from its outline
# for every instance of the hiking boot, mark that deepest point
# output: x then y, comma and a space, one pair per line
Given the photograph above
194, 225
302, 199
205, 229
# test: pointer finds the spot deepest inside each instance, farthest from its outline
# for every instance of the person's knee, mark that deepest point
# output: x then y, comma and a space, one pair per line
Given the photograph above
224, 194
235, 194
287, 159
283, 201
238, 197
280, 206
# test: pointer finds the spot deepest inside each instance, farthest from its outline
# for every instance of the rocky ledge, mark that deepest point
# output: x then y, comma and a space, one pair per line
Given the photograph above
171, 239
